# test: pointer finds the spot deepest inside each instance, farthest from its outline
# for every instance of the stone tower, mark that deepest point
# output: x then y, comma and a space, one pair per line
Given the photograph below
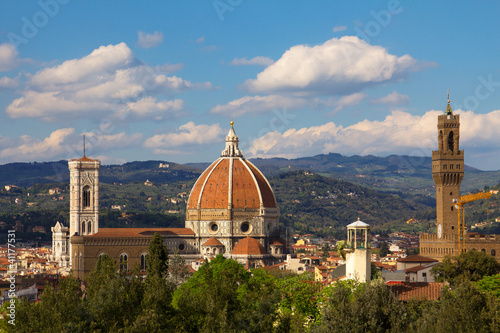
447, 172
84, 196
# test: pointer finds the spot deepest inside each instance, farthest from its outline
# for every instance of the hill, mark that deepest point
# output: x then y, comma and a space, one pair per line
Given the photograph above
311, 203
27, 174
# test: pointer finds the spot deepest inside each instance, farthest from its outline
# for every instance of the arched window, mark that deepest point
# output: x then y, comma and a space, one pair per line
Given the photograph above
451, 143
89, 228
86, 196
123, 262
493, 252
144, 261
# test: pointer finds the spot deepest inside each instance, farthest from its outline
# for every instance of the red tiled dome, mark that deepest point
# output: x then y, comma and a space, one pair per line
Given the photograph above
249, 246
231, 182
212, 242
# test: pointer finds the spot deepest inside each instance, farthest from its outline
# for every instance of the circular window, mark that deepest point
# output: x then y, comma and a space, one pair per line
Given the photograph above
245, 227
181, 247
213, 227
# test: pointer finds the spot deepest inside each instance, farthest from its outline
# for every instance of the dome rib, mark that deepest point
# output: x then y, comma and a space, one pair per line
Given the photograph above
203, 178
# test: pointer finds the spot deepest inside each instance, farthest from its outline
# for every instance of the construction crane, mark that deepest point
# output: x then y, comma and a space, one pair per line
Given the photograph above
460, 205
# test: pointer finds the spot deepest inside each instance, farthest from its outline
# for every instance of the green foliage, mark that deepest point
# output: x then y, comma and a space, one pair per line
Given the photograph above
472, 265
353, 307
209, 301
490, 285
299, 294
462, 309
157, 299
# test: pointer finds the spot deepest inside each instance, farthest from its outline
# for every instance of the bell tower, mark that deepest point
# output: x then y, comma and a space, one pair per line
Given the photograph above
84, 196
447, 172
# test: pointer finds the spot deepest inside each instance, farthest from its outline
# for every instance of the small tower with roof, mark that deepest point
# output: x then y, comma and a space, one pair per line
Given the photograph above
358, 253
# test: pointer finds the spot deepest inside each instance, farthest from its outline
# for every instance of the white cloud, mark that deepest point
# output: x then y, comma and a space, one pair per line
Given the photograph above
259, 104
337, 67
7, 82
349, 100
8, 57
105, 142
393, 98
149, 107
260, 60
110, 79
399, 133
64, 144
147, 41
28, 148
200, 40
187, 135
339, 28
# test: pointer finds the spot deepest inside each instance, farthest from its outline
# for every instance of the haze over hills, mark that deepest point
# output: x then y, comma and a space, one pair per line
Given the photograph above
407, 175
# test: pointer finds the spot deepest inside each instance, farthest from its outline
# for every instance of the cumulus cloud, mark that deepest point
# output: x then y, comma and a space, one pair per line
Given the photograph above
110, 79
149, 107
259, 104
28, 148
7, 82
339, 28
187, 134
8, 57
64, 143
349, 100
399, 133
147, 41
260, 60
337, 67
393, 98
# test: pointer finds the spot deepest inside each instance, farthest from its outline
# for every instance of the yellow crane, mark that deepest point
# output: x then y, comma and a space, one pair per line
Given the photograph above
460, 205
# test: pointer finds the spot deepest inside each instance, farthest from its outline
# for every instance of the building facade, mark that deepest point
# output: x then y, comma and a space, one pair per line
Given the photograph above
231, 211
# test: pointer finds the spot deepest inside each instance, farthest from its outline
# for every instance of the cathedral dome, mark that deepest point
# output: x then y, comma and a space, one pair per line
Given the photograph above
231, 182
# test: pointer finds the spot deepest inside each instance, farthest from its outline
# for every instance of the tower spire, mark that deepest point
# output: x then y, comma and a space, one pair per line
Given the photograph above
84, 145
232, 140
448, 112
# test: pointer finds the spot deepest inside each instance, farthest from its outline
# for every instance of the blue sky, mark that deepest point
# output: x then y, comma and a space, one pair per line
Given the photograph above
162, 79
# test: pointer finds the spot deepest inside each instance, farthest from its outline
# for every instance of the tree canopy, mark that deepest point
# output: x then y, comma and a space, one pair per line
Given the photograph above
472, 265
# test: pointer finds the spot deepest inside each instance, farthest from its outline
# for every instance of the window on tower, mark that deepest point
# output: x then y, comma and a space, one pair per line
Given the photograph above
450, 141
86, 196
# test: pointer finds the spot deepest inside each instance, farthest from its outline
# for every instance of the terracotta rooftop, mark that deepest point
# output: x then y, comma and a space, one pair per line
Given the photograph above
249, 246
416, 258
212, 242
85, 159
140, 232
405, 291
